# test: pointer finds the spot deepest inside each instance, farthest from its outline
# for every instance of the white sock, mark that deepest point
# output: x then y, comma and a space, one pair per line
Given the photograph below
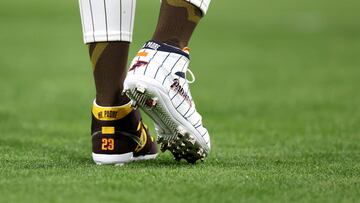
107, 20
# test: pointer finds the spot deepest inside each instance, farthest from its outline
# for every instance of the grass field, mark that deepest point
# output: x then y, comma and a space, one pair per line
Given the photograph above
277, 83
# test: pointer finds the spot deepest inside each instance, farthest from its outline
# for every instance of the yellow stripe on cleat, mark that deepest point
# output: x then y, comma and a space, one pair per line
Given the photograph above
108, 130
143, 138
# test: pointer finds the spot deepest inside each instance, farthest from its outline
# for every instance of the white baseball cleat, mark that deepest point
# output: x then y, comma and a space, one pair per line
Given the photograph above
156, 82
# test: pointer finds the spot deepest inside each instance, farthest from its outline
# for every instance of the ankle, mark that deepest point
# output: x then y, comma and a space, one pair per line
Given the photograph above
173, 42
112, 101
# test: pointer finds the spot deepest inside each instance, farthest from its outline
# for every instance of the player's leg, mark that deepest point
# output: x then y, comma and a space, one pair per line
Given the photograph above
118, 134
157, 81
107, 28
178, 20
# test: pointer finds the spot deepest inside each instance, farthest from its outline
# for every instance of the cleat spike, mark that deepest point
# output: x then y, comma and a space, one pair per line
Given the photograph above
134, 104
151, 103
140, 89
164, 145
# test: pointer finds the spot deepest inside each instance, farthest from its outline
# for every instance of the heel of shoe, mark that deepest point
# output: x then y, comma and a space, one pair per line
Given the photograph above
116, 159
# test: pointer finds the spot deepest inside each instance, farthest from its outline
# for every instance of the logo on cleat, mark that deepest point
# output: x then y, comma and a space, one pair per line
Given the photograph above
138, 64
152, 45
143, 137
107, 114
178, 89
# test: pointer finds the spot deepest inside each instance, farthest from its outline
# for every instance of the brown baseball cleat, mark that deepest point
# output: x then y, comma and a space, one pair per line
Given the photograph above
119, 136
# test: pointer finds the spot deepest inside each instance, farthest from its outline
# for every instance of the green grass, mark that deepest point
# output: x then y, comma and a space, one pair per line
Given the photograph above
277, 84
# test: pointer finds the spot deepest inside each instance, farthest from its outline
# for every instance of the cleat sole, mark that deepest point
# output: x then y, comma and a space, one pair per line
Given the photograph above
180, 143
119, 159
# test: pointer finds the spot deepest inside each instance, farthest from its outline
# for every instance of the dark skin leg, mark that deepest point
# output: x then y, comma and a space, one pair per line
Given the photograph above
109, 61
177, 22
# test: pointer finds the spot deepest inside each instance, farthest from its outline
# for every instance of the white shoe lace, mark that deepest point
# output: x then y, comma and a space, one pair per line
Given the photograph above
192, 77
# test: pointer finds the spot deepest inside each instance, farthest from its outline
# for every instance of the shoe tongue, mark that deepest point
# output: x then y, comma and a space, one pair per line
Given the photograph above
159, 46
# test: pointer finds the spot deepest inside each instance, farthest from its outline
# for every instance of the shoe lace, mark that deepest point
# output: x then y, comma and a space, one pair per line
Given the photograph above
187, 50
192, 76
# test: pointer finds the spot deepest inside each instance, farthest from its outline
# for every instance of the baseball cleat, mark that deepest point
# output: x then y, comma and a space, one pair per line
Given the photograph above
119, 136
157, 82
